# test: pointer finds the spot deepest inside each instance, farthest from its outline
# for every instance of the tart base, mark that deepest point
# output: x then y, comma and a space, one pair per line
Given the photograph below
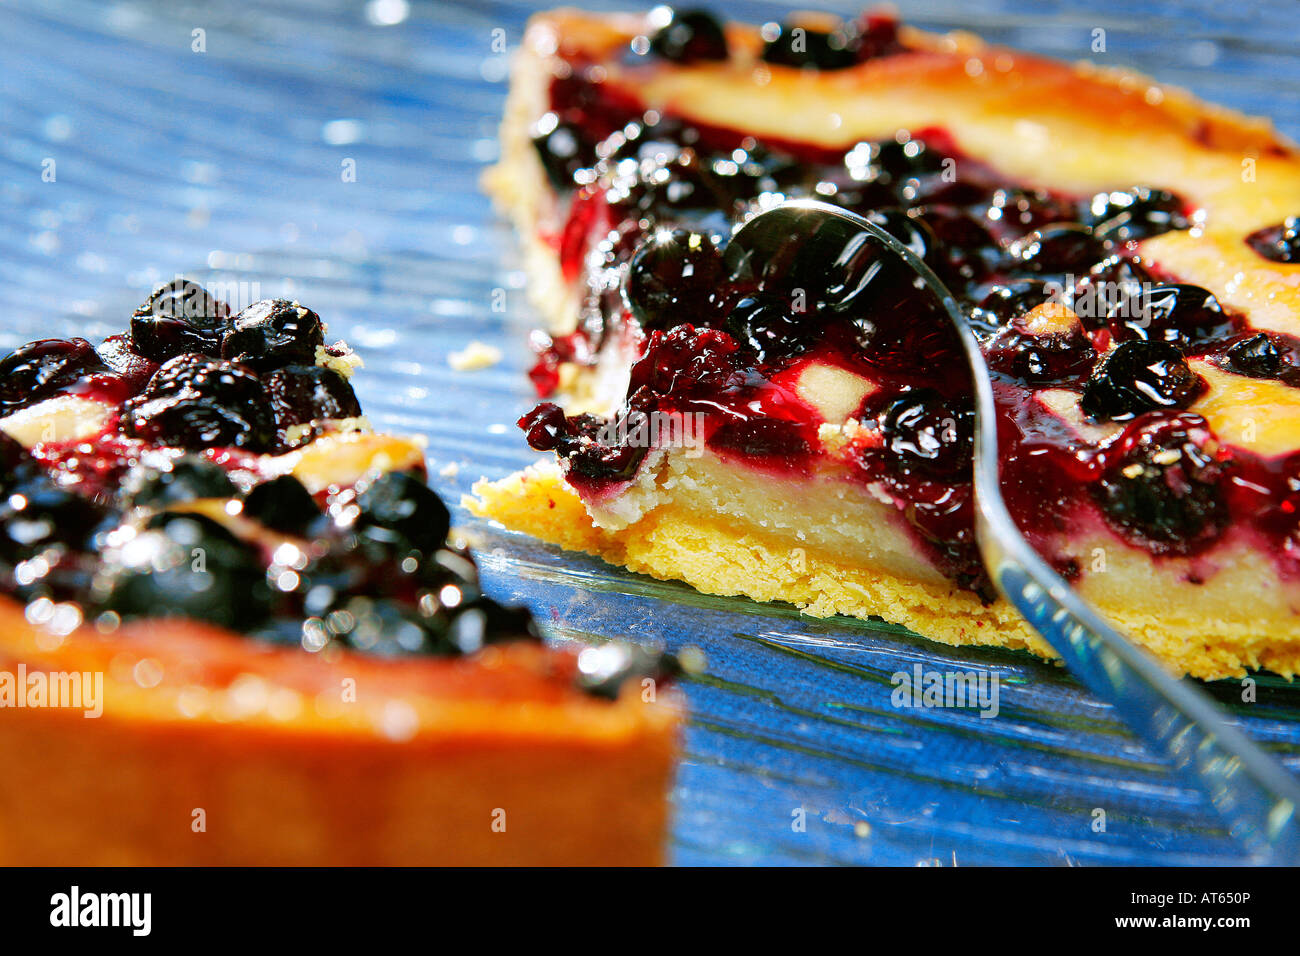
243, 754
716, 556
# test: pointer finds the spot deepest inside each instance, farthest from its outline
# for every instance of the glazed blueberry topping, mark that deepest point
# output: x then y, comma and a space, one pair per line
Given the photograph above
560, 147
185, 479
186, 566
39, 370
927, 434
799, 46
1256, 356
273, 333
1162, 482
672, 279
1280, 243
197, 402
1065, 247
1134, 214
1138, 376
135, 369
769, 325
179, 317
399, 507
1182, 315
310, 393
690, 36
126, 527
282, 504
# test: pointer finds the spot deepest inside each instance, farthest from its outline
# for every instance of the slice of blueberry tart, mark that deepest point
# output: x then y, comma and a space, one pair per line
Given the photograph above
233, 629
774, 421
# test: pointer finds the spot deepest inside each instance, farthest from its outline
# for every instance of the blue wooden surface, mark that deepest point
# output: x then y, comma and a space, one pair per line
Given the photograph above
226, 163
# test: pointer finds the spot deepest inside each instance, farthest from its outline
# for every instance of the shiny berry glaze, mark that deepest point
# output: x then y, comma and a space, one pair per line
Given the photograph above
651, 197
109, 522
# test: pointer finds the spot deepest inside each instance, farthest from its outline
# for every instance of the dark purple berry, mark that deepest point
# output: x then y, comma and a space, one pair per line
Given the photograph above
1183, 315
186, 565
1256, 356
1280, 243
1133, 214
544, 426
135, 369
1162, 483
690, 36
282, 504
767, 324
560, 146
799, 46
273, 333
301, 394
38, 370
198, 402
673, 279
1139, 376
1006, 301
1064, 247
188, 478
923, 433
179, 317
401, 507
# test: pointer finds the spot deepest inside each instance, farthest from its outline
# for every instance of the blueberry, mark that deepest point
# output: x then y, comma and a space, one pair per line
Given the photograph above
1256, 356
562, 150
179, 317
673, 279
1138, 376
197, 402
1280, 243
926, 434
273, 333
37, 514
798, 46
186, 565
41, 369
1133, 214
544, 426
135, 369
690, 36
309, 393
188, 478
1063, 247
1182, 315
1162, 483
282, 504
399, 504
768, 325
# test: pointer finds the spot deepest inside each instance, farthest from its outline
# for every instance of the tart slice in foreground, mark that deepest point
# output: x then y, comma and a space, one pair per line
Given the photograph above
765, 421
233, 629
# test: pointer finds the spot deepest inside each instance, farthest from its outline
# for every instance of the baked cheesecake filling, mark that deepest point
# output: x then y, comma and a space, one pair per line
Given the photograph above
154, 476
1106, 367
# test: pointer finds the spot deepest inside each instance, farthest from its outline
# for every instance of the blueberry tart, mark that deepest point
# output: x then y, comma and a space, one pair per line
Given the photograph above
766, 421
206, 550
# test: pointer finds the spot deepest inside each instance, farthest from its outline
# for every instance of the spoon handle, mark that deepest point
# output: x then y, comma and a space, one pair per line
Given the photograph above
1254, 794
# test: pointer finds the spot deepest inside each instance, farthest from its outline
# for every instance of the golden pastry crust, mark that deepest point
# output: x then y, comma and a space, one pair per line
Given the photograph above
1070, 128
679, 540
212, 749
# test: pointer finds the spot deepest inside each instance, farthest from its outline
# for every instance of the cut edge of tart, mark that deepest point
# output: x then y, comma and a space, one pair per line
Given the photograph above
1209, 594
269, 649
